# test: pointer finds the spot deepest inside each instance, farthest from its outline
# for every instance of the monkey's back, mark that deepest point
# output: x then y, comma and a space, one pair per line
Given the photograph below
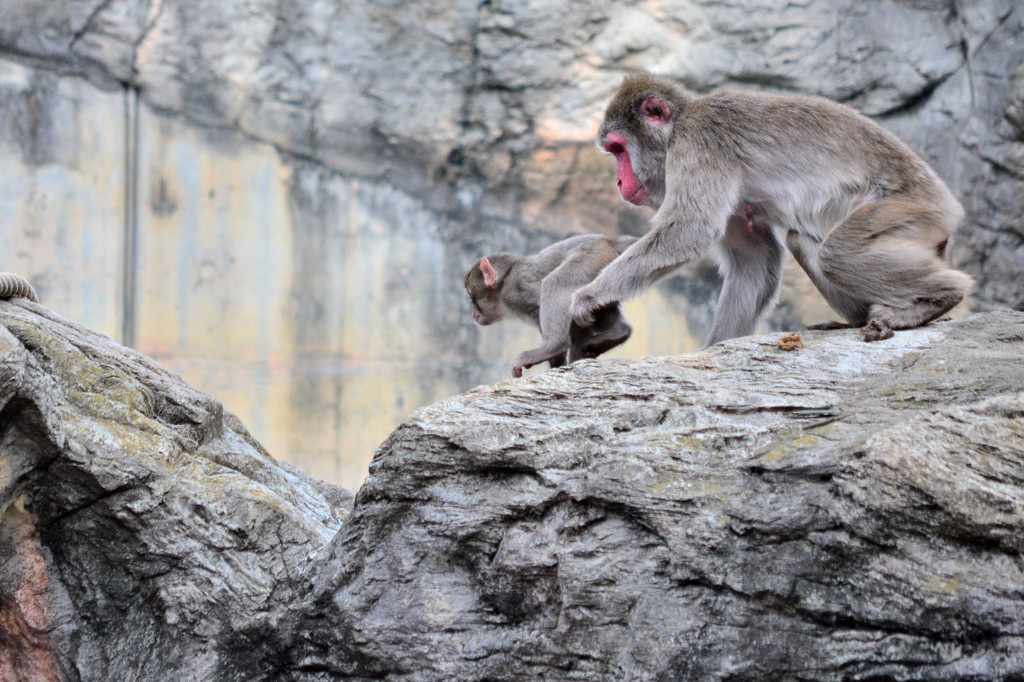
790, 136
577, 260
597, 247
811, 162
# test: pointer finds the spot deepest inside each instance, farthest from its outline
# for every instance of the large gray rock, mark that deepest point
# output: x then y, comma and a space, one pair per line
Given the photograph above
844, 511
140, 524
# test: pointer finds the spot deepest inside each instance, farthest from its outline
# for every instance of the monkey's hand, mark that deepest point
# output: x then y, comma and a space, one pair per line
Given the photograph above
583, 308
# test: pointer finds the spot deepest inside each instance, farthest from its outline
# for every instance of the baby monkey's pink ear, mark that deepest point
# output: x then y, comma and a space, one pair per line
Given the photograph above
490, 276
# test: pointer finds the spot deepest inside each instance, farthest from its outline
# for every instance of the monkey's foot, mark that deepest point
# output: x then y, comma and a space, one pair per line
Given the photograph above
532, 358
604, 346
876, 331
830, 325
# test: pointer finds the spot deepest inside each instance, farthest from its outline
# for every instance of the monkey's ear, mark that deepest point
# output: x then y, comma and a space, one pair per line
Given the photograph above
490, 276
656, 110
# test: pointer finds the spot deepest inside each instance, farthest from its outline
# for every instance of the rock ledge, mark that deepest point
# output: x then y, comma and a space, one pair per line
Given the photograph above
841, 511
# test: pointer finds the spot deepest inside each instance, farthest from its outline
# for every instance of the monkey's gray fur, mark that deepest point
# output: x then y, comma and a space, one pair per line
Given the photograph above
866, 218
539, 288
16, 286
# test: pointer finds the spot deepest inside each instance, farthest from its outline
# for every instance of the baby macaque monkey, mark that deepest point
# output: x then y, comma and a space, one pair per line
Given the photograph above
539, 289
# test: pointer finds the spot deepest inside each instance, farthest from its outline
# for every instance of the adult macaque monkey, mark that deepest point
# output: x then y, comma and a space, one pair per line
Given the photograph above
865, 217
539, 288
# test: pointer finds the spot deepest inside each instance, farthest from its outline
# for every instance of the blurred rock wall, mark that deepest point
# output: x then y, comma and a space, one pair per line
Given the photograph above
279, 199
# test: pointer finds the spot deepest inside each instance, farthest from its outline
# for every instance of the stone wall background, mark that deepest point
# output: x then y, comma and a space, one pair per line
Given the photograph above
279, 199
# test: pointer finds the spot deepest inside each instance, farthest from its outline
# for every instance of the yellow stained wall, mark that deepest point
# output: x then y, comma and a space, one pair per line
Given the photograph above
62, 192
223, 299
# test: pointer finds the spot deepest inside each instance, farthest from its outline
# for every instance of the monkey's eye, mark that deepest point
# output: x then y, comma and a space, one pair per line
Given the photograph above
614, 148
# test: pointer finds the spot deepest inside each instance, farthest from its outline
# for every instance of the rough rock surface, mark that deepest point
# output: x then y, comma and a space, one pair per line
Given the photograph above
140, 524
841, 511
844, 511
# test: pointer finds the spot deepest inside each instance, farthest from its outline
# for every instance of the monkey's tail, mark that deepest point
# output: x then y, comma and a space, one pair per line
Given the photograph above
16, 286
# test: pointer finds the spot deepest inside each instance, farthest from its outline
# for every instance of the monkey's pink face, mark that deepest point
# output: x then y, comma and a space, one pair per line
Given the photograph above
631, 189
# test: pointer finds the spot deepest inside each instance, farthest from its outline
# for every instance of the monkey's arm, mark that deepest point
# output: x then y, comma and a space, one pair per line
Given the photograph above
692, 217
751, 261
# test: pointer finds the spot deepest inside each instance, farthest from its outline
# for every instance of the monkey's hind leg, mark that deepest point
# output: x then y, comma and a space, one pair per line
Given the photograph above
750, 260
609, 330
832, 325
528, 358
604, 343
555, 299
891, 254
805, 251
948, 288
